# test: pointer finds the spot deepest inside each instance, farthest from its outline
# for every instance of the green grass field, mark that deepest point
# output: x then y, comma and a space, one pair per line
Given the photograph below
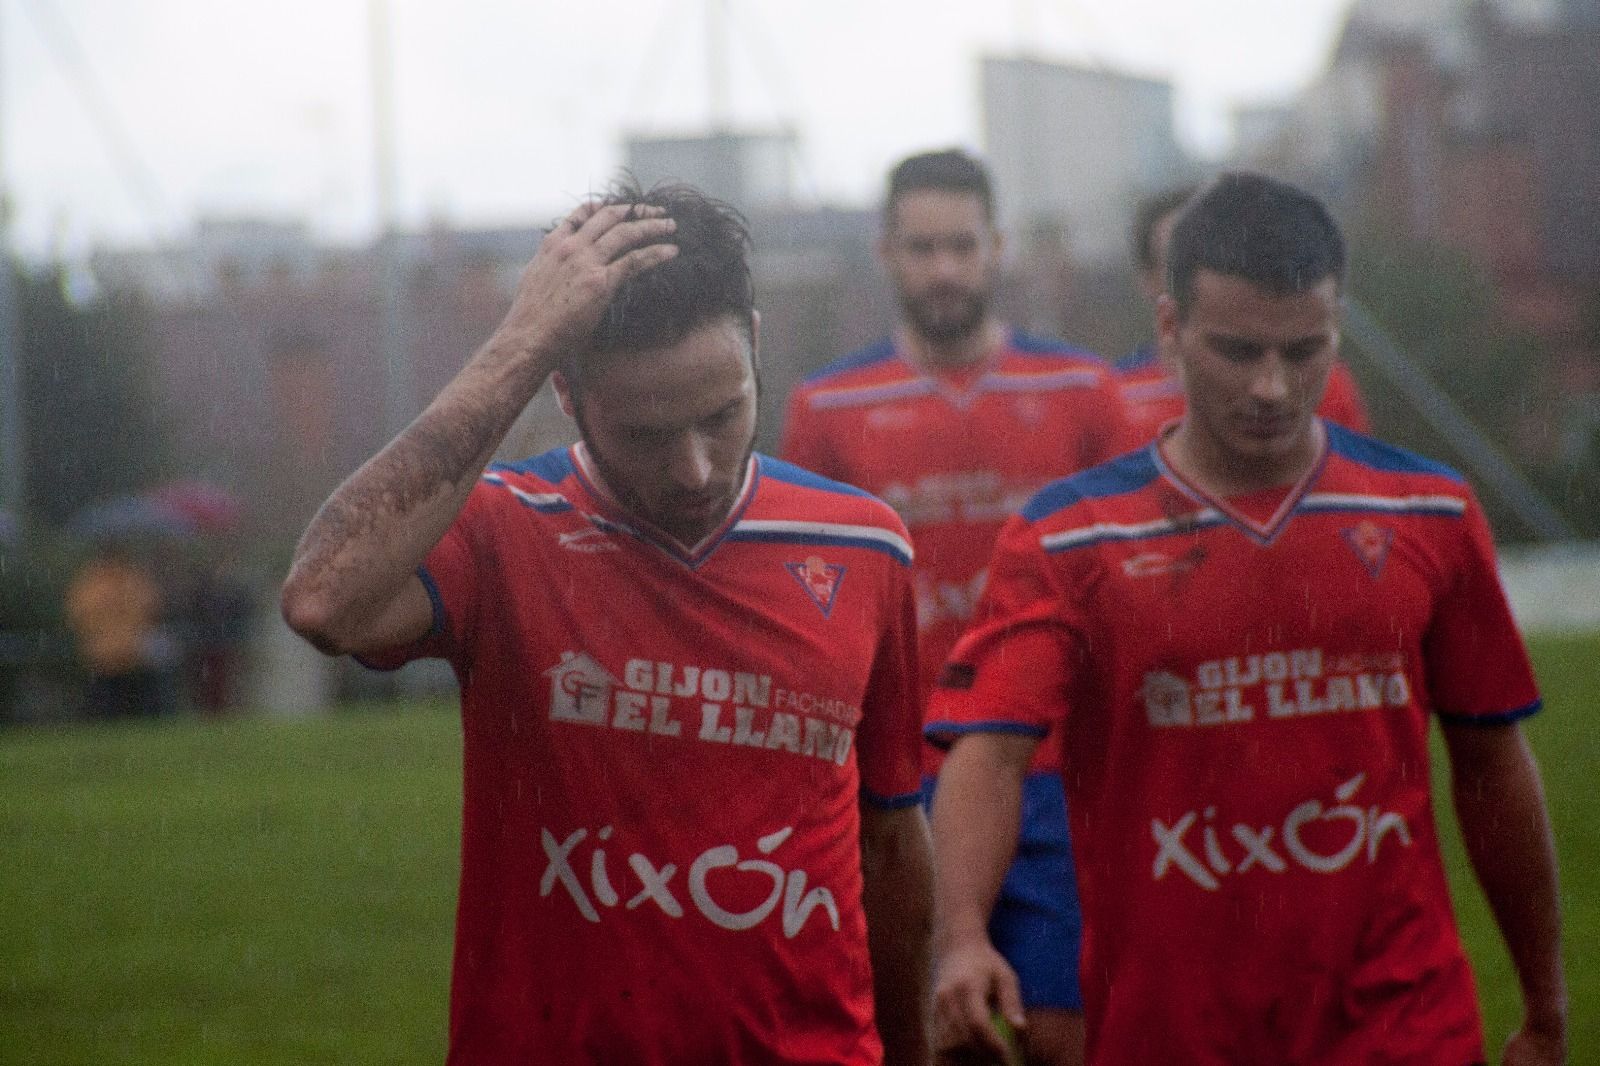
282, 891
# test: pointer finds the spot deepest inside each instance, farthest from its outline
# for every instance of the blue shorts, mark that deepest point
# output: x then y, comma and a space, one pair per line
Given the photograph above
1037, 924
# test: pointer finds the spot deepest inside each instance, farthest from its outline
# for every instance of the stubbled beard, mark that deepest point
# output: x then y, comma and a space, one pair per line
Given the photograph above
635, 504
941, 326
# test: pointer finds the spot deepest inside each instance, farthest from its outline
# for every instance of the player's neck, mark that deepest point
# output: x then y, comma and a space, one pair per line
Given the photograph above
1205, 462
962, 353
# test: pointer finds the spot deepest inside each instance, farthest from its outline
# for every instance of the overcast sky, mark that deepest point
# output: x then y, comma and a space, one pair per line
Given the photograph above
122, 120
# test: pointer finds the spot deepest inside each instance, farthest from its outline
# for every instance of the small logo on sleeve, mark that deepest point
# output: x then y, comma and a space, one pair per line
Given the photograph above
588, 540
820, 580
1370, 542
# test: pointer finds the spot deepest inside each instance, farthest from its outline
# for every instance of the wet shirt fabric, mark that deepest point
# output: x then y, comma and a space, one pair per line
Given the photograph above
1152, 396
665, 749
1245, 699
955, 456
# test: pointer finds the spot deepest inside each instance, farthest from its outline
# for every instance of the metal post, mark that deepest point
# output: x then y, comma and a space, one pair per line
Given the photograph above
1452, 423
398, 400
13, 441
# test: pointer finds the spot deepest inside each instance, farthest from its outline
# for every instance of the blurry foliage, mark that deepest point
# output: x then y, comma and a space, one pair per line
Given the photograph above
90, 424
1441, 311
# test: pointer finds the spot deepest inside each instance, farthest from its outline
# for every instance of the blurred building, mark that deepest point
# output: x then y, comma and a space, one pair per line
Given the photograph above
1076, 149
754, 169
267, 361
1469, 123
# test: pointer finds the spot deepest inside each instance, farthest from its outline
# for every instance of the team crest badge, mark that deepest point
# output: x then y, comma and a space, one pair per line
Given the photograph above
820, 580
1370, 542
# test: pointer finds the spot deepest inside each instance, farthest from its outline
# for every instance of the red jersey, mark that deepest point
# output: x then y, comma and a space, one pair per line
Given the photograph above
1245, 692
664, 755
955, 456
1153, 397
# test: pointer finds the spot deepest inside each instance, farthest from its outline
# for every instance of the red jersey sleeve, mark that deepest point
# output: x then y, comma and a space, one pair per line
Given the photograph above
889, 740
1477, 667
450, 574
1341, 402
1114, 432
1009, 672
804, 443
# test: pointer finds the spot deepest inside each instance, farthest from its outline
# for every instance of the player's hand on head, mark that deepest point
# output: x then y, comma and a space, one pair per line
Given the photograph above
974, 984
565, 288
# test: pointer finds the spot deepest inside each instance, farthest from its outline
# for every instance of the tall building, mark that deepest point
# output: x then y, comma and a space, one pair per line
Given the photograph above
1075, 147
753, 170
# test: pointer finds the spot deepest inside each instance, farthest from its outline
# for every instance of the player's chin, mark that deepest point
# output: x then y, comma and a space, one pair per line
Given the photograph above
697, 512
948, 320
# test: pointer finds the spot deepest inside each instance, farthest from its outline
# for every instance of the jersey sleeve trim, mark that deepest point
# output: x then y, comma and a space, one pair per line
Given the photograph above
943, 734
382, 662
435, 600
891, 803
1502, 718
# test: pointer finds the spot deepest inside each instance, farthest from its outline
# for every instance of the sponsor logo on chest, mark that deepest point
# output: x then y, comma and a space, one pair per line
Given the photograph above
719, 706
1286, 684
1315, 837
597, 886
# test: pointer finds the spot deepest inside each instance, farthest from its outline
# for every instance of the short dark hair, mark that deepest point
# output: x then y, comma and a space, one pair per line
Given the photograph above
948, 170
1270, 233
1148, 215
707, 280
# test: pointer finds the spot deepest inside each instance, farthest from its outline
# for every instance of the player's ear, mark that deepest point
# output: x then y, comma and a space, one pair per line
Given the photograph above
558, 381
1167, 324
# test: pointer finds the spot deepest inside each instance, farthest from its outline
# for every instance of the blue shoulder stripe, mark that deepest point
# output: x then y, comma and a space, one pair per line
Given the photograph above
876, 352
1032, 344
1137, 359
779, 470
1380, 456
1127, 473
554, 466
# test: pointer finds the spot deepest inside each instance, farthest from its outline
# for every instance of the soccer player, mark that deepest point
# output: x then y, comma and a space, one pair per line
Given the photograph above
690, 829
956, 421
1243, 632
1151, 393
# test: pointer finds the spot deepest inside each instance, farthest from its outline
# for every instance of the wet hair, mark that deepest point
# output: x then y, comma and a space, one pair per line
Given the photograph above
1277, 237
709, 278
1148, 215
950, 170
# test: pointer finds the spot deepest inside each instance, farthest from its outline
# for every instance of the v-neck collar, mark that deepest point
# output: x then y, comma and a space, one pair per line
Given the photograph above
974, 379
1262, 533
614, 516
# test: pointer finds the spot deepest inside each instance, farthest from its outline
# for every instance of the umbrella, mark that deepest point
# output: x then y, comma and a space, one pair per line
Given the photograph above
132, 516
210, 507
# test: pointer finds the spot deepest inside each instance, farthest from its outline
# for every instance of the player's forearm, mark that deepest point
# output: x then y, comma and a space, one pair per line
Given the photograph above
370, 536
897, 895
1504, 823
976, 813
